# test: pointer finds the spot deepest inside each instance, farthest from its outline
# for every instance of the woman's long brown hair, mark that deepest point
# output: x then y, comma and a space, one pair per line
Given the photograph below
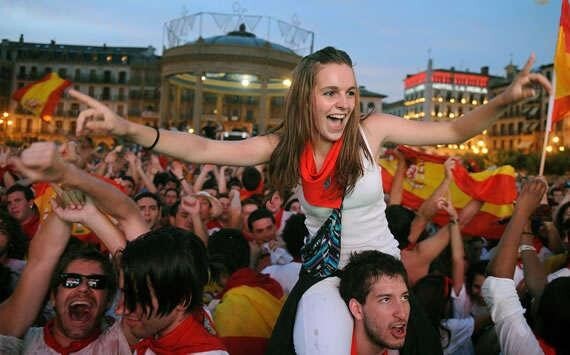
298, 128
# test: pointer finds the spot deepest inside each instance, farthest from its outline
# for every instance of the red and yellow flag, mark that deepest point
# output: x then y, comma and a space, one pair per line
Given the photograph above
496, 188
561, 107
41, 97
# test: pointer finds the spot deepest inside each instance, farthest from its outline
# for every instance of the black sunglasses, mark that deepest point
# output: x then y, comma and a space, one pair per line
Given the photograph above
70, 280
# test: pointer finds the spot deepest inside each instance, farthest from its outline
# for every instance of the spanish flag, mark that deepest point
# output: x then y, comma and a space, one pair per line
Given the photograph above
246, 315
41, 97
496, 188
561, 106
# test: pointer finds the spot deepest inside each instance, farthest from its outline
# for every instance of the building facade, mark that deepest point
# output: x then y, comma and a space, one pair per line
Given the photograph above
447, 94
124, 78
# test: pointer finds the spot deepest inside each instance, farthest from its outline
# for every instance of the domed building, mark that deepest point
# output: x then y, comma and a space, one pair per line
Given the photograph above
237, 81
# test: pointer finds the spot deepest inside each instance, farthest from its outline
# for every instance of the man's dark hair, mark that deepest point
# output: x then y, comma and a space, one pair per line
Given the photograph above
144, 194
173, 210
294, 234
229, 247
77, 250
169, 260
400, 221
17, 246
250, 178
129, 178
364, 269
173, 189
554, 314
28, 193
162, 178
251, 201
210, 183
258, 214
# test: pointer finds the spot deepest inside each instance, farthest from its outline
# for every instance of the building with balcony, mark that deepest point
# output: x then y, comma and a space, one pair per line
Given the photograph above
124, 78
521, 127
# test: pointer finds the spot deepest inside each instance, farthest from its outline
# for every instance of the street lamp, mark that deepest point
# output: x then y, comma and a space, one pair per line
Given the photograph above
5, 121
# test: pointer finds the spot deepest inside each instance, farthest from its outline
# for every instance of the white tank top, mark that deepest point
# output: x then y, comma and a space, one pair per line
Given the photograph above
364, 224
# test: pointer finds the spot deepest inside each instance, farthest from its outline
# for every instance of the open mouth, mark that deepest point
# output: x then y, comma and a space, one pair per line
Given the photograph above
339, 117
398, 331
80, 311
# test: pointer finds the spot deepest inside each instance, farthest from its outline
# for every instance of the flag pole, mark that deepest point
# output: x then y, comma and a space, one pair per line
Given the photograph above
548, 127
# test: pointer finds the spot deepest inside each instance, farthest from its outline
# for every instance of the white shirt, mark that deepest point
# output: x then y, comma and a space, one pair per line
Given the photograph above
515, 335
364, 223
111, 341
459, 342
287, 275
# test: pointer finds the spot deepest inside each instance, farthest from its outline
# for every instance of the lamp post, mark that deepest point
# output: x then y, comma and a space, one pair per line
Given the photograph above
5, 123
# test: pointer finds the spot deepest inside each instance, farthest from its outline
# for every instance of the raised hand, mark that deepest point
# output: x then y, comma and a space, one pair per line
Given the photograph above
446, 205
177, 168
190, 204
41, 162
449, 166
98, 118
523, 86
530, 196
78, 213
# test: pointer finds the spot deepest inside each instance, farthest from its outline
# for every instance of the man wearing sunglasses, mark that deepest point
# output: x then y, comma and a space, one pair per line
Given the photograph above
81, 283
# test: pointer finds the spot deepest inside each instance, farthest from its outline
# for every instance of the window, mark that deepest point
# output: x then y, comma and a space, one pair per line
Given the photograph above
29, 125
92, 91
121, 110
22, 70
107, 76
47, 70
106, 93
62, 72
77, 74
122, 77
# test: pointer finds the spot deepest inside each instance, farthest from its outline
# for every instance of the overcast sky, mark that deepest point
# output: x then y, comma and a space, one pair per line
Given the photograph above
386, 39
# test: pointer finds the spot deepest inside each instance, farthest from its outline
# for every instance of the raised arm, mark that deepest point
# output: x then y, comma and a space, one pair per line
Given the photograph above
100, 119
397, 190
386, 128
88, 215
503, 263
430, 206
20, 310
534, 273
457, 250
42, 162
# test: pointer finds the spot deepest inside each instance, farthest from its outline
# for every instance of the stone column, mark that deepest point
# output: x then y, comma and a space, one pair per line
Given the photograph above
164, 101
263, 108
219, 106
197, 109
177, 99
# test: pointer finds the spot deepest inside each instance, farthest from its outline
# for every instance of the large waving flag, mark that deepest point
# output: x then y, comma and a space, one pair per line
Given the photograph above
41, 97
496, 188
561, 106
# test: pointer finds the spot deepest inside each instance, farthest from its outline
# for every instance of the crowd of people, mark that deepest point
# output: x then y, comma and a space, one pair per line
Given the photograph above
284, 243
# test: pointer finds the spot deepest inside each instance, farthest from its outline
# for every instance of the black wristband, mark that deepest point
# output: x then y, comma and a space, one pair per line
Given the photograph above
155, 140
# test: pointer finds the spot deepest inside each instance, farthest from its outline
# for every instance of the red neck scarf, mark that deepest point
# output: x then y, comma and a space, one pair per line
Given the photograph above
319, 187
279, 218
187, 338
354, 347
75, 346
